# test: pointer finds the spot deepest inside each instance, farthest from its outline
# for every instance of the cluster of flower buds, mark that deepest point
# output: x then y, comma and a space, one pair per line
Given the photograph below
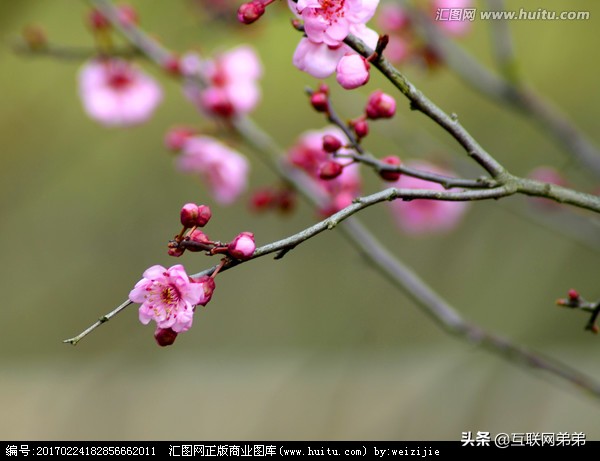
191, 238
379, 106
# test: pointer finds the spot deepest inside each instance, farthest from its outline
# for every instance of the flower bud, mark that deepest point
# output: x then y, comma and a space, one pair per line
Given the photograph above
189, 215
172, 64
319, 101
176, 137
573, 295
352, 71
331, 143
216, 102
360, 128
197, 236
175, 252
330, 170
97, 21
250, 12
380, 105
242, 247
262, 199
165, 336
204, 215
387, 175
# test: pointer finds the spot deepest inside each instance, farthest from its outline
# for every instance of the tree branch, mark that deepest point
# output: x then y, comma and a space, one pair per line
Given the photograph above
510, 93
364, 242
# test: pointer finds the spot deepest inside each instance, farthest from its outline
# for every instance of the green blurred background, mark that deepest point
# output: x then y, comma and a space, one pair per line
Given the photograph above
317, 345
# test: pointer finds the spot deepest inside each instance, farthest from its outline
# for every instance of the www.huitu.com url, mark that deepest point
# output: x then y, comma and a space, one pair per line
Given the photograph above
540, 14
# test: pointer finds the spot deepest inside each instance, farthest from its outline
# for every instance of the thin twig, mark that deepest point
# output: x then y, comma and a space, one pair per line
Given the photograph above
71, 53
101, 320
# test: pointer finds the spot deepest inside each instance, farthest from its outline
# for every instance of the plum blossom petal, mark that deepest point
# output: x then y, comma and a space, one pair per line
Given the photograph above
330, 21
321, 60
352, 71
224, 170
422, 216
232, 76
116, 93
317, 59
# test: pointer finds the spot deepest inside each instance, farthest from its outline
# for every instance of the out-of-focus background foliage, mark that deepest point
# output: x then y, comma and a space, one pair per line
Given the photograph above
317, 345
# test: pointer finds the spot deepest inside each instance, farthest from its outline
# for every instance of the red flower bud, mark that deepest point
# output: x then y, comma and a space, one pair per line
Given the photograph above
380, 105
330, 170
360, 127
387, 175
573, 295
172, 65
250, 12
189, 215
97, 21
165, 336
320, 101
331, 143
262, 199
175, 252
204, 215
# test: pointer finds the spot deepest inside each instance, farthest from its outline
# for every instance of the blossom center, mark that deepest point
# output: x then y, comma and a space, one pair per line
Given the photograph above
332, 9
119, 77
170, 296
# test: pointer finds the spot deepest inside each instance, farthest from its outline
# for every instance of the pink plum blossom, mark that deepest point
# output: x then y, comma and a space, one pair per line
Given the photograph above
392, 17
397, 49
422, 216
167, 296
232, 82
308, 155
116, 93
224, 170
352, 71
330, 21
